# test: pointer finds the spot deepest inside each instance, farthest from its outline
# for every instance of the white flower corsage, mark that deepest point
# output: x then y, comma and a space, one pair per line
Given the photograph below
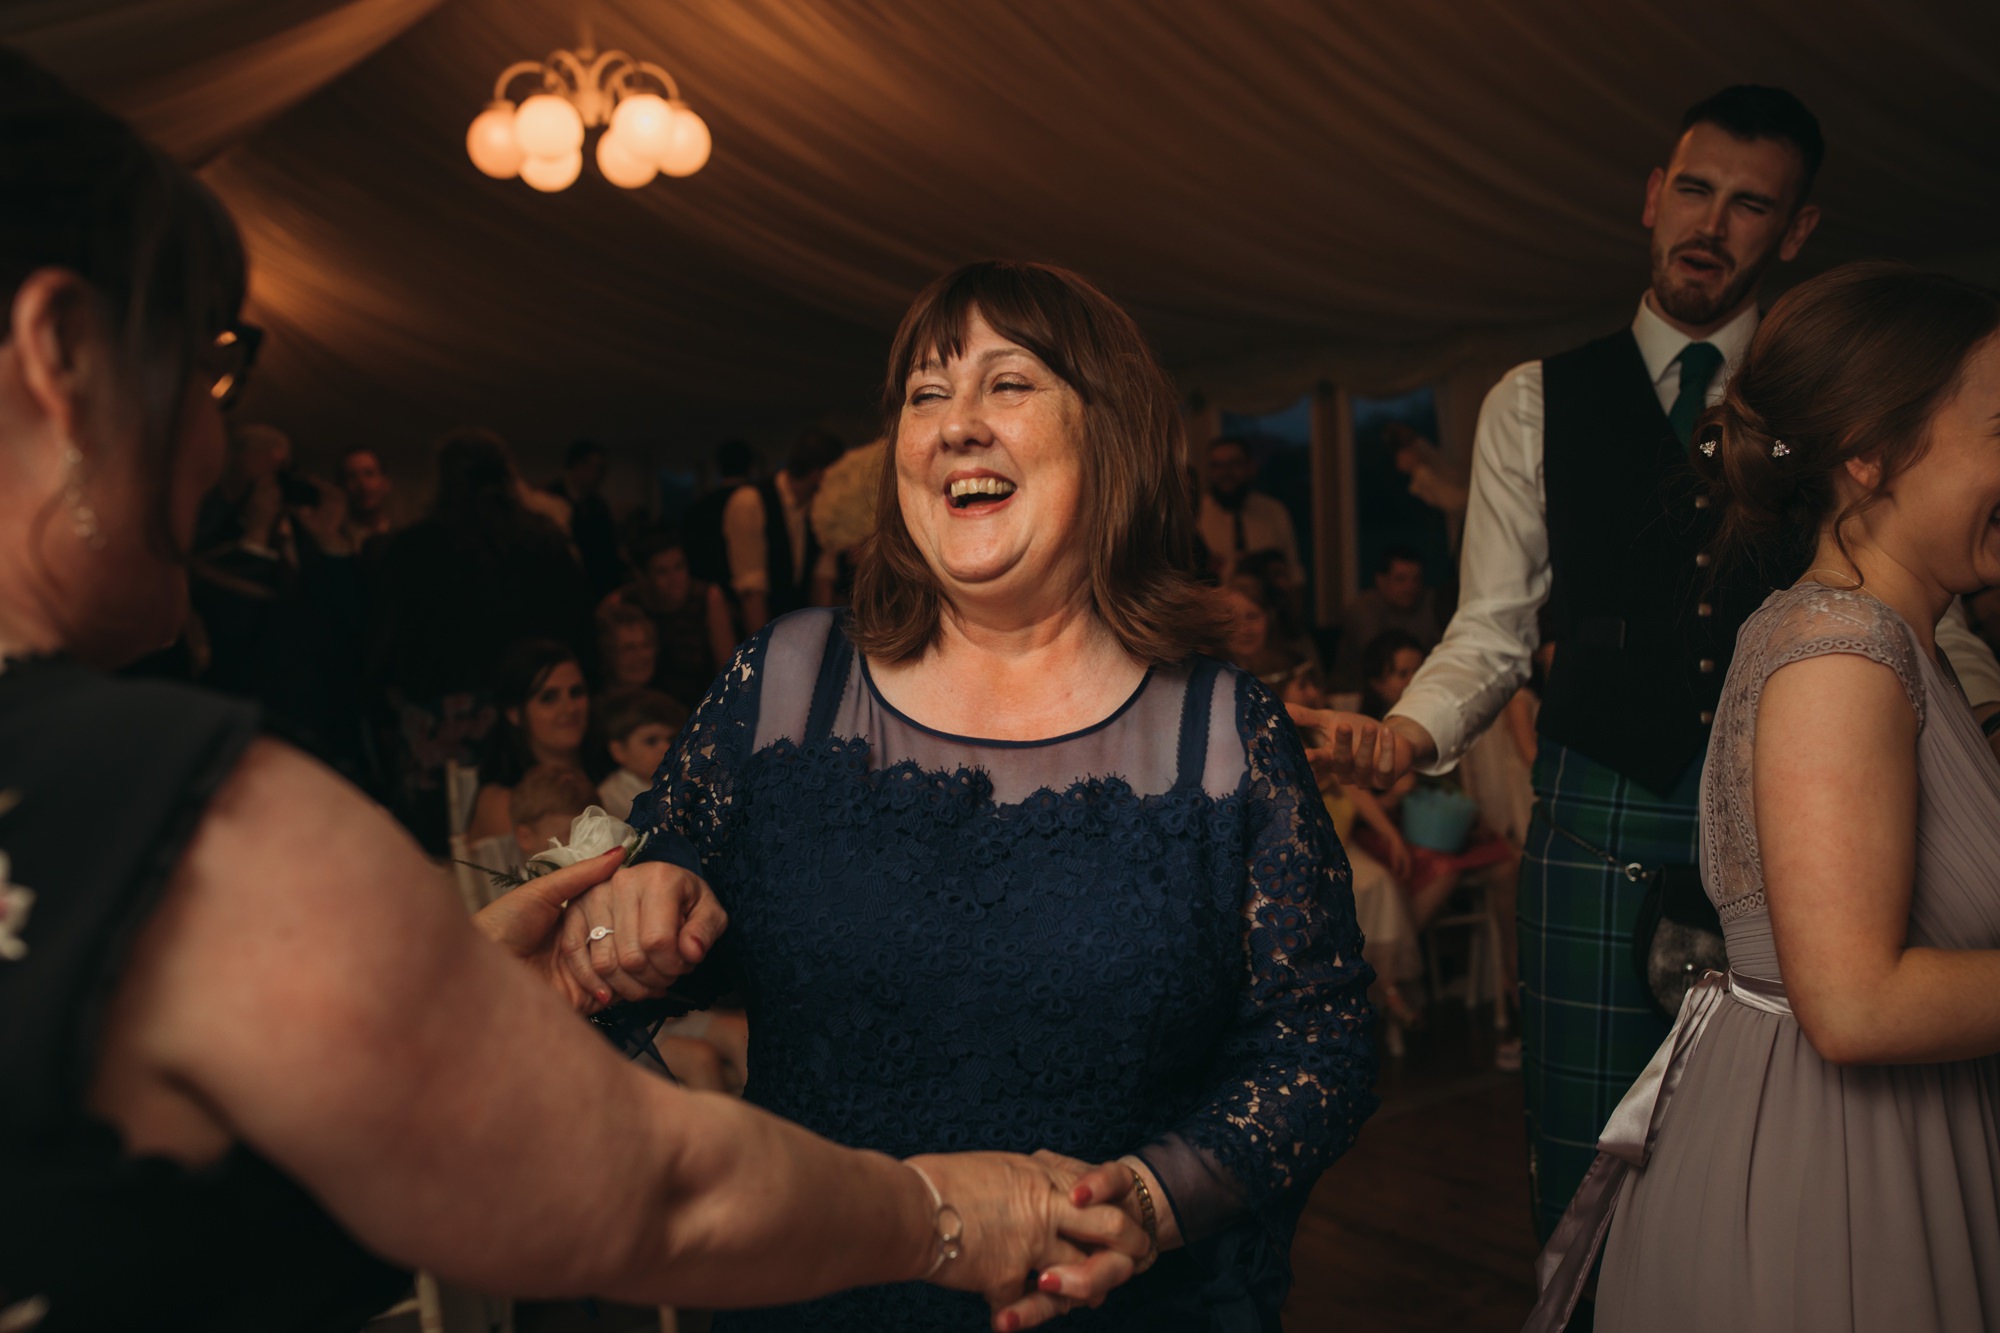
592, 833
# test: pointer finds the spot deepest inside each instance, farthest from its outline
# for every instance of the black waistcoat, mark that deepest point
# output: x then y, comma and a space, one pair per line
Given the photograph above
789, 591
1643, 634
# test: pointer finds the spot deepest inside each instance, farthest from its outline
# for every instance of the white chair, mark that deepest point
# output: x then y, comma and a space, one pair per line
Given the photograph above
1484, 978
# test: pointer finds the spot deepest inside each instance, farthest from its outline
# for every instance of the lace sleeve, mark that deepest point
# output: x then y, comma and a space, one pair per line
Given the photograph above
1292, 1082
1818, 621
686, 813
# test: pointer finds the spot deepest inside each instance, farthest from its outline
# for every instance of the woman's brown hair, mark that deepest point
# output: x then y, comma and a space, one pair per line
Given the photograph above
79, 190
1138, 512
1852, 364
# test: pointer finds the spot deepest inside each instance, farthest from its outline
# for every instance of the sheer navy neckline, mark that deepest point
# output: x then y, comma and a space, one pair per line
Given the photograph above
868, 680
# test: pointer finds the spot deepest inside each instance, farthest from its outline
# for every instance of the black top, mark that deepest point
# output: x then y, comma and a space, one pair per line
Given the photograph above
107, 781
1643, 633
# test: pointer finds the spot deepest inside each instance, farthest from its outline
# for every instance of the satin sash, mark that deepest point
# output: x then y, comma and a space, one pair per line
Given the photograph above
1563, 1270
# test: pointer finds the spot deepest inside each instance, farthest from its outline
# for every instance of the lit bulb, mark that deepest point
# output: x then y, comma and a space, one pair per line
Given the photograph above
491, 144
619, 164
644, 123
689, 143
549, 174
548, 126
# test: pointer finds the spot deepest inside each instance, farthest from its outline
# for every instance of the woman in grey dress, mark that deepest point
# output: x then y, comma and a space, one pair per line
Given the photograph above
1831, 1156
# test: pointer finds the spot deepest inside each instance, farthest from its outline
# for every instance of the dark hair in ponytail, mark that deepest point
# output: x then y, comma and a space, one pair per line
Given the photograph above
1852, 364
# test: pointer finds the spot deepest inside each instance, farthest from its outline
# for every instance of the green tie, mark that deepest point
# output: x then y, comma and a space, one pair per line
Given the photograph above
1698, 365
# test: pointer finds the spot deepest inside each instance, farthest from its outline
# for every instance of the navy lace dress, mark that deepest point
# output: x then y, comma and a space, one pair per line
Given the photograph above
1137, 937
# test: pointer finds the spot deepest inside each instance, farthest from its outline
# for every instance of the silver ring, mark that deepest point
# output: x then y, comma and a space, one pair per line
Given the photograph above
598, 932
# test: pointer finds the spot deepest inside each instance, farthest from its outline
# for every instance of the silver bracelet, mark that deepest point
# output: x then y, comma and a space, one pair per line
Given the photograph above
949, 1225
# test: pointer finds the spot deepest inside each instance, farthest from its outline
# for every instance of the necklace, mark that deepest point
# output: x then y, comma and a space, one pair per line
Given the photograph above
1853, 585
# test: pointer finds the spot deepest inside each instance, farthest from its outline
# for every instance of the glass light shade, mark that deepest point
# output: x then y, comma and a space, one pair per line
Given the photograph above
548, 126
619, 164
549, 174
491, 144
688, 145
644, 124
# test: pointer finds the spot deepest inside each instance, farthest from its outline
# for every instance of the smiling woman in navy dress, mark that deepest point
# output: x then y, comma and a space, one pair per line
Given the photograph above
1011, 862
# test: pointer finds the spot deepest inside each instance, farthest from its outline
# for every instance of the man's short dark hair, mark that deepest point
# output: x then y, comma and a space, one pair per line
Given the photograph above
1753, 111
582, 450
733, 458
657, 542
1396, 553
368, 449
1230, 441
814, 450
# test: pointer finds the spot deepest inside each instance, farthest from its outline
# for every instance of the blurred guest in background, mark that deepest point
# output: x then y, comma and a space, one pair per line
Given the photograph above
694, 631
544, 707
639, 728
590, 522
627, 646
707, 547
449, 595
366, 484
1397, 600
775, 562
1236, 520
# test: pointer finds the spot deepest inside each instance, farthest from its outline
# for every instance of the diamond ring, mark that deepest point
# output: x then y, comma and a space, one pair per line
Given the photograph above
598, 932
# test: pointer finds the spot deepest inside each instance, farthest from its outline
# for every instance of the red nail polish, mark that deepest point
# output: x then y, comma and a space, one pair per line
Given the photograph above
1009, 1321
1050, 1283
1080, 1196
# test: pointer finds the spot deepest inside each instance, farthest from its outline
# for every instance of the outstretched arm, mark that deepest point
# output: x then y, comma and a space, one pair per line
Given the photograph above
310, 987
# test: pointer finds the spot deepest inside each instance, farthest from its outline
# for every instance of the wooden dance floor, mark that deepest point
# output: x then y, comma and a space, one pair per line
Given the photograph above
1423, 1226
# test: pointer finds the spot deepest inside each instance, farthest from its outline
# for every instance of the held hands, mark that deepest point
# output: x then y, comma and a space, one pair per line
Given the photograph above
1020, 1217
1358, 750
658, 922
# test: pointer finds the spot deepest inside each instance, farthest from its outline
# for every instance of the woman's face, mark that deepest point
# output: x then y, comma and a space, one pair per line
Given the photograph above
632, 656
668, 573
557, 712
1942, 519
1391, 683
989, 475
1249, 627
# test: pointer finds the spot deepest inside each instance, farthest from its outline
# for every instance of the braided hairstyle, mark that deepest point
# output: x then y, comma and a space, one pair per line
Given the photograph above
1853, 364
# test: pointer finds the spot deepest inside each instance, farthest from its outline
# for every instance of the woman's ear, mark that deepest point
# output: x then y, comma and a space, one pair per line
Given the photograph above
57, 342
1865, 471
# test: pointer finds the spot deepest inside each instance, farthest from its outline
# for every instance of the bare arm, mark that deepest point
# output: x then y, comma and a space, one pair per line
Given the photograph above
490, 817
1520, 716
1836, 794
445, 1107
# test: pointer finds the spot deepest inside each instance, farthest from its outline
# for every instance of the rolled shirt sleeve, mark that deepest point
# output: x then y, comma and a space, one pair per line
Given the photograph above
1487, 649
1971, 660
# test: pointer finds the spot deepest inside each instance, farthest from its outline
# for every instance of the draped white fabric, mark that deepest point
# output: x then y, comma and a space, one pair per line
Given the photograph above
1283, 192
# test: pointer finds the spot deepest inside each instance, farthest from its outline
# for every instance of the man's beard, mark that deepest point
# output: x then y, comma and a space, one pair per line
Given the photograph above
1231, 499
1690, 305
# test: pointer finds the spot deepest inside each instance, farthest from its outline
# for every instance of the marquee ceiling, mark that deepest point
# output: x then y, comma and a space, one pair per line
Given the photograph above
1279, 191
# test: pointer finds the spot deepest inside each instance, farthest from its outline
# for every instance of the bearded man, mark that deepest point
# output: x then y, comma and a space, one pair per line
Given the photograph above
1583, 498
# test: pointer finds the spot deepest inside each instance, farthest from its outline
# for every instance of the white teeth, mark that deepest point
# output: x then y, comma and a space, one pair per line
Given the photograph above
965, 486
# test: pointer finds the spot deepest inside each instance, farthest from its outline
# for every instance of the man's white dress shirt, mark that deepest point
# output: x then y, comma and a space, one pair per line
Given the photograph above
1504, 565
1267, 526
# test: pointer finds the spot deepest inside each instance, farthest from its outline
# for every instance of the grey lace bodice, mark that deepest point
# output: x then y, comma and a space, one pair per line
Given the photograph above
1954, 767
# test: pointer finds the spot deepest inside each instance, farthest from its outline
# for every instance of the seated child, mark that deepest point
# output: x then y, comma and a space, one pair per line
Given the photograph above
1388, 662
544, 803
639, 727
628, 643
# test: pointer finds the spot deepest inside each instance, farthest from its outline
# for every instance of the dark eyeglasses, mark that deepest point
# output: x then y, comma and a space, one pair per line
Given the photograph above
229, 360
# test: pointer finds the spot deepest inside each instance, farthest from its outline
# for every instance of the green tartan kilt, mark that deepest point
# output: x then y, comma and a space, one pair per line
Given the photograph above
1587, 1025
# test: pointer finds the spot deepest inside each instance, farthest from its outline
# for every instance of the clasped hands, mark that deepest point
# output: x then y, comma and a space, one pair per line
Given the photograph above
653, 923
1356, 750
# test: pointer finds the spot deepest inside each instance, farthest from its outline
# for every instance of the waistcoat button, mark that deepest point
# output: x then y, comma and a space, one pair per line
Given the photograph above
1707, 665
1703, 560
1706, 717
1701, 502
1704, 609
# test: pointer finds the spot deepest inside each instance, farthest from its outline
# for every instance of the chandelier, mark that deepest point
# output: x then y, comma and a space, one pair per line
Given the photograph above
541, 140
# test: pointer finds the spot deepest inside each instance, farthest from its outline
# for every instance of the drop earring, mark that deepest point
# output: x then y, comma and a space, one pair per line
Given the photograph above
80, 512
